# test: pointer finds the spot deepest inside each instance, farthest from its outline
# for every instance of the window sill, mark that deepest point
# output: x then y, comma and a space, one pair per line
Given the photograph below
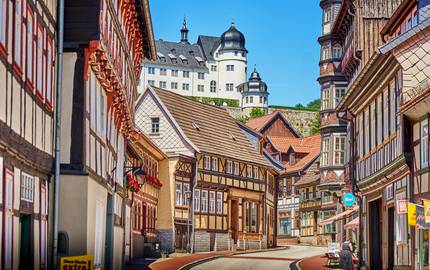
424, 170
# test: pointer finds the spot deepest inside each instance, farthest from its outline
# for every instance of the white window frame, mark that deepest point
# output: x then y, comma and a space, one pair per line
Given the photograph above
338, 150
214, 164
229, 87
200, 76
197, 200
27, 187
249, 171
186, 189
229, 167
207, 163
17, 34
155, 125
185, 74
325, 97
151, 70
236, 168
212, 202
3, 22
185, 86
424, 143
178, 194
200, 88
204, 201
213, 86
339, 94
163, 72
325, 148
219, 203
230, 68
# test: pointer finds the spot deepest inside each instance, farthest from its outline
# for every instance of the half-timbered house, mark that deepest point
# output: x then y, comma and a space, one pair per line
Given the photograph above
219, 186
27, 95
104, 43
142, 211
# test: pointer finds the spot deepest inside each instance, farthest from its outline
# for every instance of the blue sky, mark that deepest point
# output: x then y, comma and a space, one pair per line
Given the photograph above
281, 37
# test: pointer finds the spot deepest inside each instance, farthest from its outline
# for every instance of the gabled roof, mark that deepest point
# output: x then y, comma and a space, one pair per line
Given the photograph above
260, 123
209, 128
139, 139
310, 146
208, 45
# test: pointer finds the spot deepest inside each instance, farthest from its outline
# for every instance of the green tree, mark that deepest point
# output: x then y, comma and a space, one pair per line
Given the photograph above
299, 105
256, 112
243, 119
316, 124
315, 104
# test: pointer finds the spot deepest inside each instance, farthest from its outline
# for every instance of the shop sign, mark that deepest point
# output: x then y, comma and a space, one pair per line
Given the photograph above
402, 207
348, 199
421, 223
77, 263
426, 204
412, 214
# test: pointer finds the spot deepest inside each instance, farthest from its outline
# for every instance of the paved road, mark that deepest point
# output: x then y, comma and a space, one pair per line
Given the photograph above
280, 259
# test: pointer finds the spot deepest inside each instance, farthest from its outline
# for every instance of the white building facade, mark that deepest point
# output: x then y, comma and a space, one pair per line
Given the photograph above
212, 68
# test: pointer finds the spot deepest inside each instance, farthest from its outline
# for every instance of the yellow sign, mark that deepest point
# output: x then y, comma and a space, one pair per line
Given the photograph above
426, 204
77, 263
412, 214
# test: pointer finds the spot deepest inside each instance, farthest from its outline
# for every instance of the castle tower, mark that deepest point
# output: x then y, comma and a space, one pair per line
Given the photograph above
254, 93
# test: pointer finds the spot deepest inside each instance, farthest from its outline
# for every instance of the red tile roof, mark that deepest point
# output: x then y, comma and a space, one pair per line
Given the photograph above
259, 122
310, 146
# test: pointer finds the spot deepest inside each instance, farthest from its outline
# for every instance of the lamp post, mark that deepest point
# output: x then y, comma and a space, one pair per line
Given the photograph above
188, 198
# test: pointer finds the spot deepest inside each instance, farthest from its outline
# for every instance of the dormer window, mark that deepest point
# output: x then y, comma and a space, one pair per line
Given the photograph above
191, 53
292, 158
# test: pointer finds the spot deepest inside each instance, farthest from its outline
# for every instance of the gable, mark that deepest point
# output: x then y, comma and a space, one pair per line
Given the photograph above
278, 127
169, 139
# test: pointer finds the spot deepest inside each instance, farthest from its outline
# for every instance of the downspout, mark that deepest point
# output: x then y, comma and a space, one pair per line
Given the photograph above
58, 132
192, 206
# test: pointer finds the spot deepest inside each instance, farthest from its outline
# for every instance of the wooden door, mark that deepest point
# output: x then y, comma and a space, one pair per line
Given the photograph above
234, 220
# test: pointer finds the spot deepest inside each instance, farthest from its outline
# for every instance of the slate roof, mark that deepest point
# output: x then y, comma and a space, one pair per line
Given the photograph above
310, 146
208, 45
190, 51
217, 133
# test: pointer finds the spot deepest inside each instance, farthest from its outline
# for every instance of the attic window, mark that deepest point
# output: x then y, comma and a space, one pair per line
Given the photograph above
191, 53
173, 51
161, 57
199, 59
195, 126
173, 58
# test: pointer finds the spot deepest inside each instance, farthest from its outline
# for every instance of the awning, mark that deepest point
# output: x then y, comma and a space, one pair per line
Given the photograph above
339, 216
353, 224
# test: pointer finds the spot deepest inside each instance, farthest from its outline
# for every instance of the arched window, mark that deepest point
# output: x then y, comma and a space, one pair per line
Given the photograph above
213, 86
337, 51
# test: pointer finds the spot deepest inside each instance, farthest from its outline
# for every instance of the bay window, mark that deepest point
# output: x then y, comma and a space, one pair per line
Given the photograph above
178, 194
325, 151
325, 99
340, 93
187, 194
339, 150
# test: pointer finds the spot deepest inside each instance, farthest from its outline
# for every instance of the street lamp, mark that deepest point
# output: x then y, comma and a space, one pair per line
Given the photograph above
188, 198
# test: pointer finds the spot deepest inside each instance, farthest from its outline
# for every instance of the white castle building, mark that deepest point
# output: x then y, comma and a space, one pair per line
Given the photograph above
214, 68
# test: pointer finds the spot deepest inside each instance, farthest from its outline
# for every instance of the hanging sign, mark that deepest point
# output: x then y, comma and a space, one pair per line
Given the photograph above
426, 204
412, 214
402, 207
77, 262
348, 199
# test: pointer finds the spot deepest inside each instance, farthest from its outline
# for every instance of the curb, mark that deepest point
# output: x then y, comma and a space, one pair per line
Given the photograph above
198, 262
295, 265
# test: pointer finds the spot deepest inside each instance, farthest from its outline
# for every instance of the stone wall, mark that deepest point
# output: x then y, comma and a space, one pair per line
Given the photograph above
301, 120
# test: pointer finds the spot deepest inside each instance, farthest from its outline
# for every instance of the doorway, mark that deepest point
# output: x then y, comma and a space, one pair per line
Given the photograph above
25, 259
375, 246
234, 218
390, 238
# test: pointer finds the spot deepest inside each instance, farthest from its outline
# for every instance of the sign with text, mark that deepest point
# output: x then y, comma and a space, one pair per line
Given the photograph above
426, 204
412, 214
348, 199
402, 207
77, 263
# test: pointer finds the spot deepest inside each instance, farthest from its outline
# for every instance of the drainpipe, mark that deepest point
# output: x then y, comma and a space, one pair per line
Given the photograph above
58, 132
192, 206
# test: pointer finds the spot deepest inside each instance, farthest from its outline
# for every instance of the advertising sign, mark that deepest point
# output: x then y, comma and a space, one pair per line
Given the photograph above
412, 214
402, 207
348, 199
77, 263
426, 204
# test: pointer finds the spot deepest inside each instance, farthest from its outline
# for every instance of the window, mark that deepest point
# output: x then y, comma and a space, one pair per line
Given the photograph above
325, 52
292, 158
201, 76
393, 109
366, 131
151, 70
230, 67
100, 110
255, 173
249, 171
39, 61
3, 21
340, 93
197, 200
219, 203
229, 167
204, 200
247, 100
30, 44
185, 74
213, 68
325, 99
251, 221
386, 106
207, 161
178, 194
251, 99
185, 86
174, 73
337, 51
162, 84
214, 164
325, 150
236, 168
200, 88
261, 99
212, 202
174, 85
187, 194
27, 187
213, 87
372, 126
49, 69
327, 15
409, 24
17, 44
163, 71
339, 150
228, 87
379, 115
424, 145
155, 125
415, 19
151, 82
